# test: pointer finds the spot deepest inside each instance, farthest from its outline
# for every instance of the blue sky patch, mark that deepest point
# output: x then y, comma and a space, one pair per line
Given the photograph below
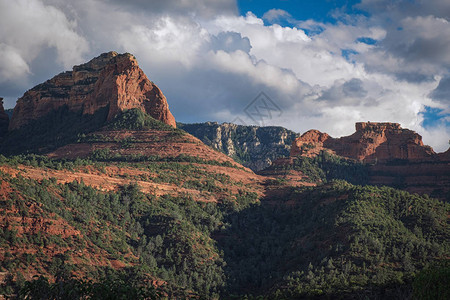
367, 40
346, 53
319, 10
433, 117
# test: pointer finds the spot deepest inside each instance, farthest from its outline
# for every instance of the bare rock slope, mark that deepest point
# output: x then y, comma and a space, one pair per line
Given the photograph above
110, 80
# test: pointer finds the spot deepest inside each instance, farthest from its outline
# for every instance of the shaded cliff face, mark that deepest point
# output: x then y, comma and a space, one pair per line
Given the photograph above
255, 147
371, 141
4, 119
110, 80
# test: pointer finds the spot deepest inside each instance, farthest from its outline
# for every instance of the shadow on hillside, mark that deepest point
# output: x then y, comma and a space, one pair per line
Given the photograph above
285, 232
58, 128
293, 234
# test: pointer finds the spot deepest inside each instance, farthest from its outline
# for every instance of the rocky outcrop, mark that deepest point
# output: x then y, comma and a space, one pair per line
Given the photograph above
371, 141
255, 147
309, 144
110, 80
4, 119
395, 156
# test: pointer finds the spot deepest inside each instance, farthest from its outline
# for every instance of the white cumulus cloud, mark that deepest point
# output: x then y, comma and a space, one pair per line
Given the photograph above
211, 63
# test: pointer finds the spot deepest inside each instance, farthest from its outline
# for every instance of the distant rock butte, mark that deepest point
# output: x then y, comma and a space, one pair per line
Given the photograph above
380, 141
111, 79
395, 156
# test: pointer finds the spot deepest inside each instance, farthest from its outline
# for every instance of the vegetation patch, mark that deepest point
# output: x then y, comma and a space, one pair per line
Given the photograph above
337, 240
326, 167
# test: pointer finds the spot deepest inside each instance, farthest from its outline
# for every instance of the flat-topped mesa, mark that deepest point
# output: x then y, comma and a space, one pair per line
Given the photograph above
380, 141
110, 80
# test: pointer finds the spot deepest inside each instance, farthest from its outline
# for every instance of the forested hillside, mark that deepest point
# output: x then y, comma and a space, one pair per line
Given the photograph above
137, 209
336, 240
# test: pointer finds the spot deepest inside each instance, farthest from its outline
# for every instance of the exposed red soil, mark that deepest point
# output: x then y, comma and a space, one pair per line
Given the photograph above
114, 177
148, 142
101, 182
34, 221
155, 143
5, 190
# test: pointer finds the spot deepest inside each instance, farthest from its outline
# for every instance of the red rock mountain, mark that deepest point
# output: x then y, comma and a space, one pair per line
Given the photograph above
380, 141
396, 156
110, 80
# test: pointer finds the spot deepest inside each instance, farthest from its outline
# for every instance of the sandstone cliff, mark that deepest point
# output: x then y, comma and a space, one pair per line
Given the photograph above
395, 156
255, 147
109, 80
371, 141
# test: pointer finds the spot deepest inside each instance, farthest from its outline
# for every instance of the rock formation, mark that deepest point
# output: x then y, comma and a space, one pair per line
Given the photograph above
395, 156
4, 119
253, 146
371, 141
309, 144
109, 80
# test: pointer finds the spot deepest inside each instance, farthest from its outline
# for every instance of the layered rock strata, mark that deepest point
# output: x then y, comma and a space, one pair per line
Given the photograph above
110, 80
371, 141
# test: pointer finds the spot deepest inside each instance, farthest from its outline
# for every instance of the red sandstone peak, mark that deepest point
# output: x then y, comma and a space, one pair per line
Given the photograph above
309, 144
381, 141
314, 136
110, 80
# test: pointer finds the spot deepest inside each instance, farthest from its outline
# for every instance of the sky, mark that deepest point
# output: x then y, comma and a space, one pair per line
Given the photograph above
298, 64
